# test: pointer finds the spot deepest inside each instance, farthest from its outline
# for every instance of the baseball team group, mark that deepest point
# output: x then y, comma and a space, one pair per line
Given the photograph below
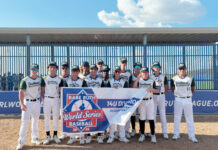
33, 88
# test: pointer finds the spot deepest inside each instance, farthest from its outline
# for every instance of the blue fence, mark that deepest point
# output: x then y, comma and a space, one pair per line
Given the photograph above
201, 60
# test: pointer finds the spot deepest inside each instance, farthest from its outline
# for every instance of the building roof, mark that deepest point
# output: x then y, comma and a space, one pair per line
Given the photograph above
110, 35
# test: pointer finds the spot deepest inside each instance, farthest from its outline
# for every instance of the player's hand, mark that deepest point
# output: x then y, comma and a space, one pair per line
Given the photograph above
138, 77
149, 90
23, 107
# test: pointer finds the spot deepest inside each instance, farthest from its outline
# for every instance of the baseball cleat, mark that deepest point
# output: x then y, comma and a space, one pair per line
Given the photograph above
165, 136
175, 137
82, 141
116, 135
47, 140
71, 140
63, 137
133, 132
88, 140
124, 139
110, 140
56, 139
36, 141
141, 138
153, 139
19, 146
193, 139
100, 140
128, 135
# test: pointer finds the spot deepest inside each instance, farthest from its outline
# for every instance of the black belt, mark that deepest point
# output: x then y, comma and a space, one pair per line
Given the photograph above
158, 93
184, 97
145, 99
51, 97
32, 100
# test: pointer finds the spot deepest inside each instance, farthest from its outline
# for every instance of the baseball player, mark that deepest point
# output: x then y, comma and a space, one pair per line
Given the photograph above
75, 81
146, 108
84, 71
183, 87
105, 74
94, 81
100, 63
117, 82
53, 84
64, 76
30, 91
136, 67
159, 98
127, 76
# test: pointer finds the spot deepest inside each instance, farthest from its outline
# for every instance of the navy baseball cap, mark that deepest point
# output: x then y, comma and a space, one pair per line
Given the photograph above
105, 68
123, 60
144, 69
93, 66
52, 63
75, 67
100, 61
34, 66
117, 68
65, 64
181, 66
156, 64
137, 65
85, 64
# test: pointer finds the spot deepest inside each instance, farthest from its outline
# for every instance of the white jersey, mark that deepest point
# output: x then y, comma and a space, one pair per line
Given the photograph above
121, 83
149, 83
84, 77
75, 83
182, 86
160, 81
52, 85
100, 74
32, 87
96, 82
126, 76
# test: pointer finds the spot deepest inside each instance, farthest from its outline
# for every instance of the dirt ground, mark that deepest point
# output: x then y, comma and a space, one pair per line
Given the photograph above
206, 127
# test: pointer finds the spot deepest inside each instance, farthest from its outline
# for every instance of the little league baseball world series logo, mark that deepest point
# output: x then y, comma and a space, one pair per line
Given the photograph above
82, 113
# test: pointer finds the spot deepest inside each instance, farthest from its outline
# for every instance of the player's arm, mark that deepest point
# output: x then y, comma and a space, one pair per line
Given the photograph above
21, 95
136, 83
166, 86
172, 85
193, 85
43, 90
153, 89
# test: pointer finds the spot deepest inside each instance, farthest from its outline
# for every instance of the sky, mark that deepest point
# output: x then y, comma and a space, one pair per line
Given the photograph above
108, 13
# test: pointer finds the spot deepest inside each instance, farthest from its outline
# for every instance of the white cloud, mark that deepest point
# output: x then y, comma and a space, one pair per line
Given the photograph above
152, 13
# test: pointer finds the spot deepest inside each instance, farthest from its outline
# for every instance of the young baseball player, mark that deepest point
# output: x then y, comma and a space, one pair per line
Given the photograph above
126, 75
75, 81
100, 63
117, 82
183, 87
30, 91
146, 108
53, 84
136, 67
84, 71
94, 81
64, 76
159, 98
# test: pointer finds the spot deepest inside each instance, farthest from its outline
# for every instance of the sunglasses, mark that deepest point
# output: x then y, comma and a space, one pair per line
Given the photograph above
117, 71
181, 68
75, 70
100, 63
34, 69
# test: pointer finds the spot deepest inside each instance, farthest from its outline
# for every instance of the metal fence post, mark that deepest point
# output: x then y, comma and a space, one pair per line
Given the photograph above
52, 52
133, 54
183, 53
214, 68
68, 55
28, 55
106, 54
145, 55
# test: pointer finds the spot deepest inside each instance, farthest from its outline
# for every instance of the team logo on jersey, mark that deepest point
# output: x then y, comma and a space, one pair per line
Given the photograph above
82, 113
